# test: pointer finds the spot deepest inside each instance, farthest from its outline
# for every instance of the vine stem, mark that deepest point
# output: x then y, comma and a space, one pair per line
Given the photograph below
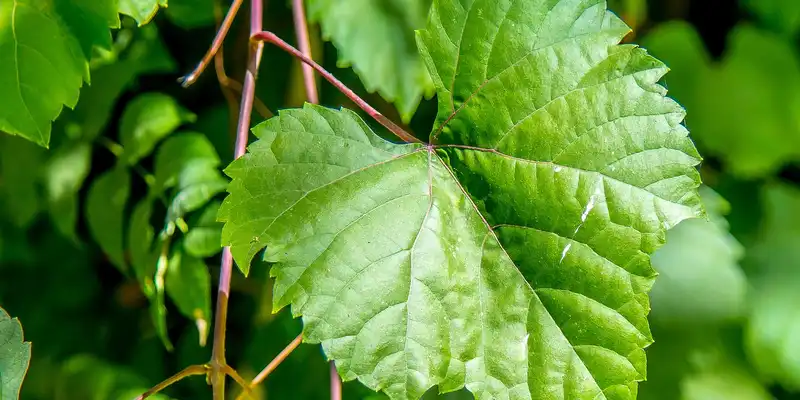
270, 37
273, 364
303, 42
188, 371
191, 78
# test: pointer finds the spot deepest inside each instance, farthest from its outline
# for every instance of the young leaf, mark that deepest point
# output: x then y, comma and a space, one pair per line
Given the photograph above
205, 233
700, 281
146, 120
377, 39
180, 152
15, 355
64, 175
198, 183
141, 10
105, 207
188, 284
46, 46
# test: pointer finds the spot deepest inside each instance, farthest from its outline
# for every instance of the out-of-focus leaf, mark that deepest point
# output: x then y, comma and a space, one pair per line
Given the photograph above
190, 14
179, 153
63, 177
197, 184
85, 377
633, 12
188, 284
782, 15
141, 10
700, 281
45, 51
20, 170
15, 354
773, 329
377, 39
146, 120
105, 209
140, 244
144, 54
744, 108
205, 233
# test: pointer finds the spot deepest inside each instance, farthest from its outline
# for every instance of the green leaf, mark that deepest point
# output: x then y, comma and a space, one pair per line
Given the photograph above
86, 377
46, 46
377, 39
15, 355
191, 14
700, 281
772, 333
63, 177
743, 109
146, 120
141, 10
105, 211
494, 262
205, 233
198, 183
149, 264
20, 171
188, 284
181, 152
783, 15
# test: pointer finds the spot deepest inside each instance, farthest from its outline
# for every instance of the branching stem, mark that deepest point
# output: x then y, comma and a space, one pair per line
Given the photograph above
188, 371
191, 78
270, 37
274, 364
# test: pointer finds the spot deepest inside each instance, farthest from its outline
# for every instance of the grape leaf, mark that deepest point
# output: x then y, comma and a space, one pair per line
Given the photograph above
146, 120
700, 281
47, 45
141, 10
511, 255
15, 355
188, 284
105, 208
380, 47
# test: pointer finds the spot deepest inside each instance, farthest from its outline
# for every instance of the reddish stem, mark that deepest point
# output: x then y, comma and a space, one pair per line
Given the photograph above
215, 45
303, 42
274, 363
386, 122
336, 383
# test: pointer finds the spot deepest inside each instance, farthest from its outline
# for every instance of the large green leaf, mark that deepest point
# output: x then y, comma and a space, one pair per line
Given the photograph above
105, 212
377, 39
45, 47
15, 354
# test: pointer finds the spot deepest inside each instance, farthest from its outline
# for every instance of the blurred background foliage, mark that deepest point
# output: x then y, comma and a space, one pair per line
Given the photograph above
109, 248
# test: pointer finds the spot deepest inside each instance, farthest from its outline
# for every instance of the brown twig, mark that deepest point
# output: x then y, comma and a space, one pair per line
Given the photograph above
191, 78
270, 37
188, 371
274, 363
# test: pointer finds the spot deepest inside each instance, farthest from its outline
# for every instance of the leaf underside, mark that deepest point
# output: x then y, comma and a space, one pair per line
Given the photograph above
511, 255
